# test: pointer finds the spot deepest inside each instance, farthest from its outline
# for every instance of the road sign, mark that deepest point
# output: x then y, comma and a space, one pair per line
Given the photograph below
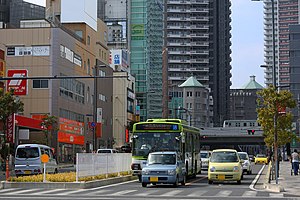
93, 124
19, 86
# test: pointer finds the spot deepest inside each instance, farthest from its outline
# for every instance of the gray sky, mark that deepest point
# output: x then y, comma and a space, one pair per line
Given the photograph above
247, 41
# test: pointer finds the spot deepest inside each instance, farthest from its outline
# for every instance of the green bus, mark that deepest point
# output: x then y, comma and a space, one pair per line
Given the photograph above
166, 135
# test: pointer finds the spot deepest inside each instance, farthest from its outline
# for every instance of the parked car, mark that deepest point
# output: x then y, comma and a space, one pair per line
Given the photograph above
107, 151
164, 168
225, 165
246, 162
28, 160
261, 159
204, 155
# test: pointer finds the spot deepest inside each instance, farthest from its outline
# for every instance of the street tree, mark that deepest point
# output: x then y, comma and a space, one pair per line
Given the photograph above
50, 123
9, 104
275, 116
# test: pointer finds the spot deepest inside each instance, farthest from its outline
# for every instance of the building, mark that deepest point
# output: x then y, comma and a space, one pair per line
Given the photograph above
198, 43
145, 45
286, 12
114, 14
195, 103
243, 103
294, 59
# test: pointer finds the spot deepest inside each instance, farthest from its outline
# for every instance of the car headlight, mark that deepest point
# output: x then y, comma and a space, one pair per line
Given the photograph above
212, 169
235, 168
171, 172
145, 172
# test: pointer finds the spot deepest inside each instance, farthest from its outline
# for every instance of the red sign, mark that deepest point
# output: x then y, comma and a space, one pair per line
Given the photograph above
19, 86
70, 138
2, 68
10, 128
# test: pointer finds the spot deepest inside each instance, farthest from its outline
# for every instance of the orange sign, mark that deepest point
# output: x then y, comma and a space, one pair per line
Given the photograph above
70, 138
44, 158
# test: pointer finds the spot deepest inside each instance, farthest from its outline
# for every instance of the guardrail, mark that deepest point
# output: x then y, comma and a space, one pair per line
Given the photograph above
92, 164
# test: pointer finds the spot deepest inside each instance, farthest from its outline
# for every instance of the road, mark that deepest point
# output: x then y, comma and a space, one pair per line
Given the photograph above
197, 188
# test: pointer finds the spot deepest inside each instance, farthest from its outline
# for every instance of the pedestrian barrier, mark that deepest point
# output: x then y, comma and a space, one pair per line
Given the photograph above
92, 164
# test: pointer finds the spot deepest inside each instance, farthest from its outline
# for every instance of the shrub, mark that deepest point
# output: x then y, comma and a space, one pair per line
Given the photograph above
64, 177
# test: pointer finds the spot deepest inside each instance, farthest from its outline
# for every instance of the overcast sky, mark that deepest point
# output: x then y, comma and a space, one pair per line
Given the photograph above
247, 41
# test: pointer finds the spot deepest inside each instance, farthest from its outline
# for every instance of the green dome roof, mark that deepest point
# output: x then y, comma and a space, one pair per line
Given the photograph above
252, 84
191, 82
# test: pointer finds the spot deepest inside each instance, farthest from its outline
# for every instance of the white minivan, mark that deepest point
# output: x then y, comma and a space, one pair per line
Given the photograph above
28, 159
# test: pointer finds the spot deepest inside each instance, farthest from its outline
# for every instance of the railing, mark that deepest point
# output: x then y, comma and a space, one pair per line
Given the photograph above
91, 164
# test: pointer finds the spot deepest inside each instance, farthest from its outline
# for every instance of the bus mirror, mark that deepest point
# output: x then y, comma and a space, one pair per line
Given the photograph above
135, 136
182, 137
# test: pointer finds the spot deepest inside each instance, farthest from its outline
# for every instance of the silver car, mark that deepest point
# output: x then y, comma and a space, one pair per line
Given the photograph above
247, 163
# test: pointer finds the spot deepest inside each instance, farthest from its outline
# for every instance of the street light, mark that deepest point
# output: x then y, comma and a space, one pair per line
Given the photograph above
274, 83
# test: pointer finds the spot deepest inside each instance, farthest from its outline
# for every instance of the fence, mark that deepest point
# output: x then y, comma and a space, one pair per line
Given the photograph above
92, 164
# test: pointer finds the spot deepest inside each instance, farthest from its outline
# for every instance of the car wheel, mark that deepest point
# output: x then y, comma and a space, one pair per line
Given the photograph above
176, 182
144, 184
184, 180
210, 182
242, 177
140, 178
239, 182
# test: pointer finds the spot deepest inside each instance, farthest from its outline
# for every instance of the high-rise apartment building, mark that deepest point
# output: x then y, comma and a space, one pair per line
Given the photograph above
286, 12
198, 42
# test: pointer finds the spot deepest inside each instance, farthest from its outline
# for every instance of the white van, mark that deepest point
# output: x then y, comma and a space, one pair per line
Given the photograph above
28, 159
107, 151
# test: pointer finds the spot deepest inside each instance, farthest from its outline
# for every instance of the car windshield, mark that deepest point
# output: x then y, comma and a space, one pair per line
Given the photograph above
204, 155
32, 152
243, 156
164, 159
224, 156
261, 156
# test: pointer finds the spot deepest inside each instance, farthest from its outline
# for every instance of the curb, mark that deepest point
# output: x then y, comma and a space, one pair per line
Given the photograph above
273, 187
66, 185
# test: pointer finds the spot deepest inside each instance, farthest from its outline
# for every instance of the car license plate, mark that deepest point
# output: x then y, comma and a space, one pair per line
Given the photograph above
153, 179
221, 177
27, 172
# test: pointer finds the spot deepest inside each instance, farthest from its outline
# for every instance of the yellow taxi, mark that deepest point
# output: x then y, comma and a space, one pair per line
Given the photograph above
225, 165
261, 159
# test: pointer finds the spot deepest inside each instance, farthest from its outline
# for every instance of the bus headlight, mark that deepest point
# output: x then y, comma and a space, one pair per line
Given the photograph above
171, 172
145, 172
212, 169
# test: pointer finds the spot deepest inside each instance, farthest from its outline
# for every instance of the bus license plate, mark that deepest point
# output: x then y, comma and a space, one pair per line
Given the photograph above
153, 179
221, 177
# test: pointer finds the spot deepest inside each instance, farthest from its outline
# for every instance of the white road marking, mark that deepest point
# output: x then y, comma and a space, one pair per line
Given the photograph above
123, 192
147, 193
172, 193
48, 191
256, 178
223, 193
23, 191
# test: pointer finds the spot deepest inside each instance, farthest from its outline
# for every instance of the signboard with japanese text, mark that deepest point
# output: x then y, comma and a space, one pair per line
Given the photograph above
19, 86
10, 128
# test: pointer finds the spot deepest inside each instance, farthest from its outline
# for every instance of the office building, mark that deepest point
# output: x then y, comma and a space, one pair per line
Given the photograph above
243, 103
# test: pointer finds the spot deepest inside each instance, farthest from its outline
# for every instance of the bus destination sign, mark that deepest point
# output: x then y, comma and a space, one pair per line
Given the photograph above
157, 126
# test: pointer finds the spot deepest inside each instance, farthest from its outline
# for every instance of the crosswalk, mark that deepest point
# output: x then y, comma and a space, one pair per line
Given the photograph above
133, 192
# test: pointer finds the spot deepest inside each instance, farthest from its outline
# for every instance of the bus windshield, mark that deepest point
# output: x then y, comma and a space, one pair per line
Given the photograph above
144, 143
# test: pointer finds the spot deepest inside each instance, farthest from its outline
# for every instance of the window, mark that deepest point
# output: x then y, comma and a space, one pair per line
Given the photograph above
88, 40
40, 84
189, 94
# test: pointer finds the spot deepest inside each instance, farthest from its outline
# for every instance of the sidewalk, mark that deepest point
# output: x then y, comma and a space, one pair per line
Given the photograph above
287, 183
290, 183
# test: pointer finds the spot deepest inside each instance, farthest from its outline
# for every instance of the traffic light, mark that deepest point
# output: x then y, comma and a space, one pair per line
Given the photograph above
251, 132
